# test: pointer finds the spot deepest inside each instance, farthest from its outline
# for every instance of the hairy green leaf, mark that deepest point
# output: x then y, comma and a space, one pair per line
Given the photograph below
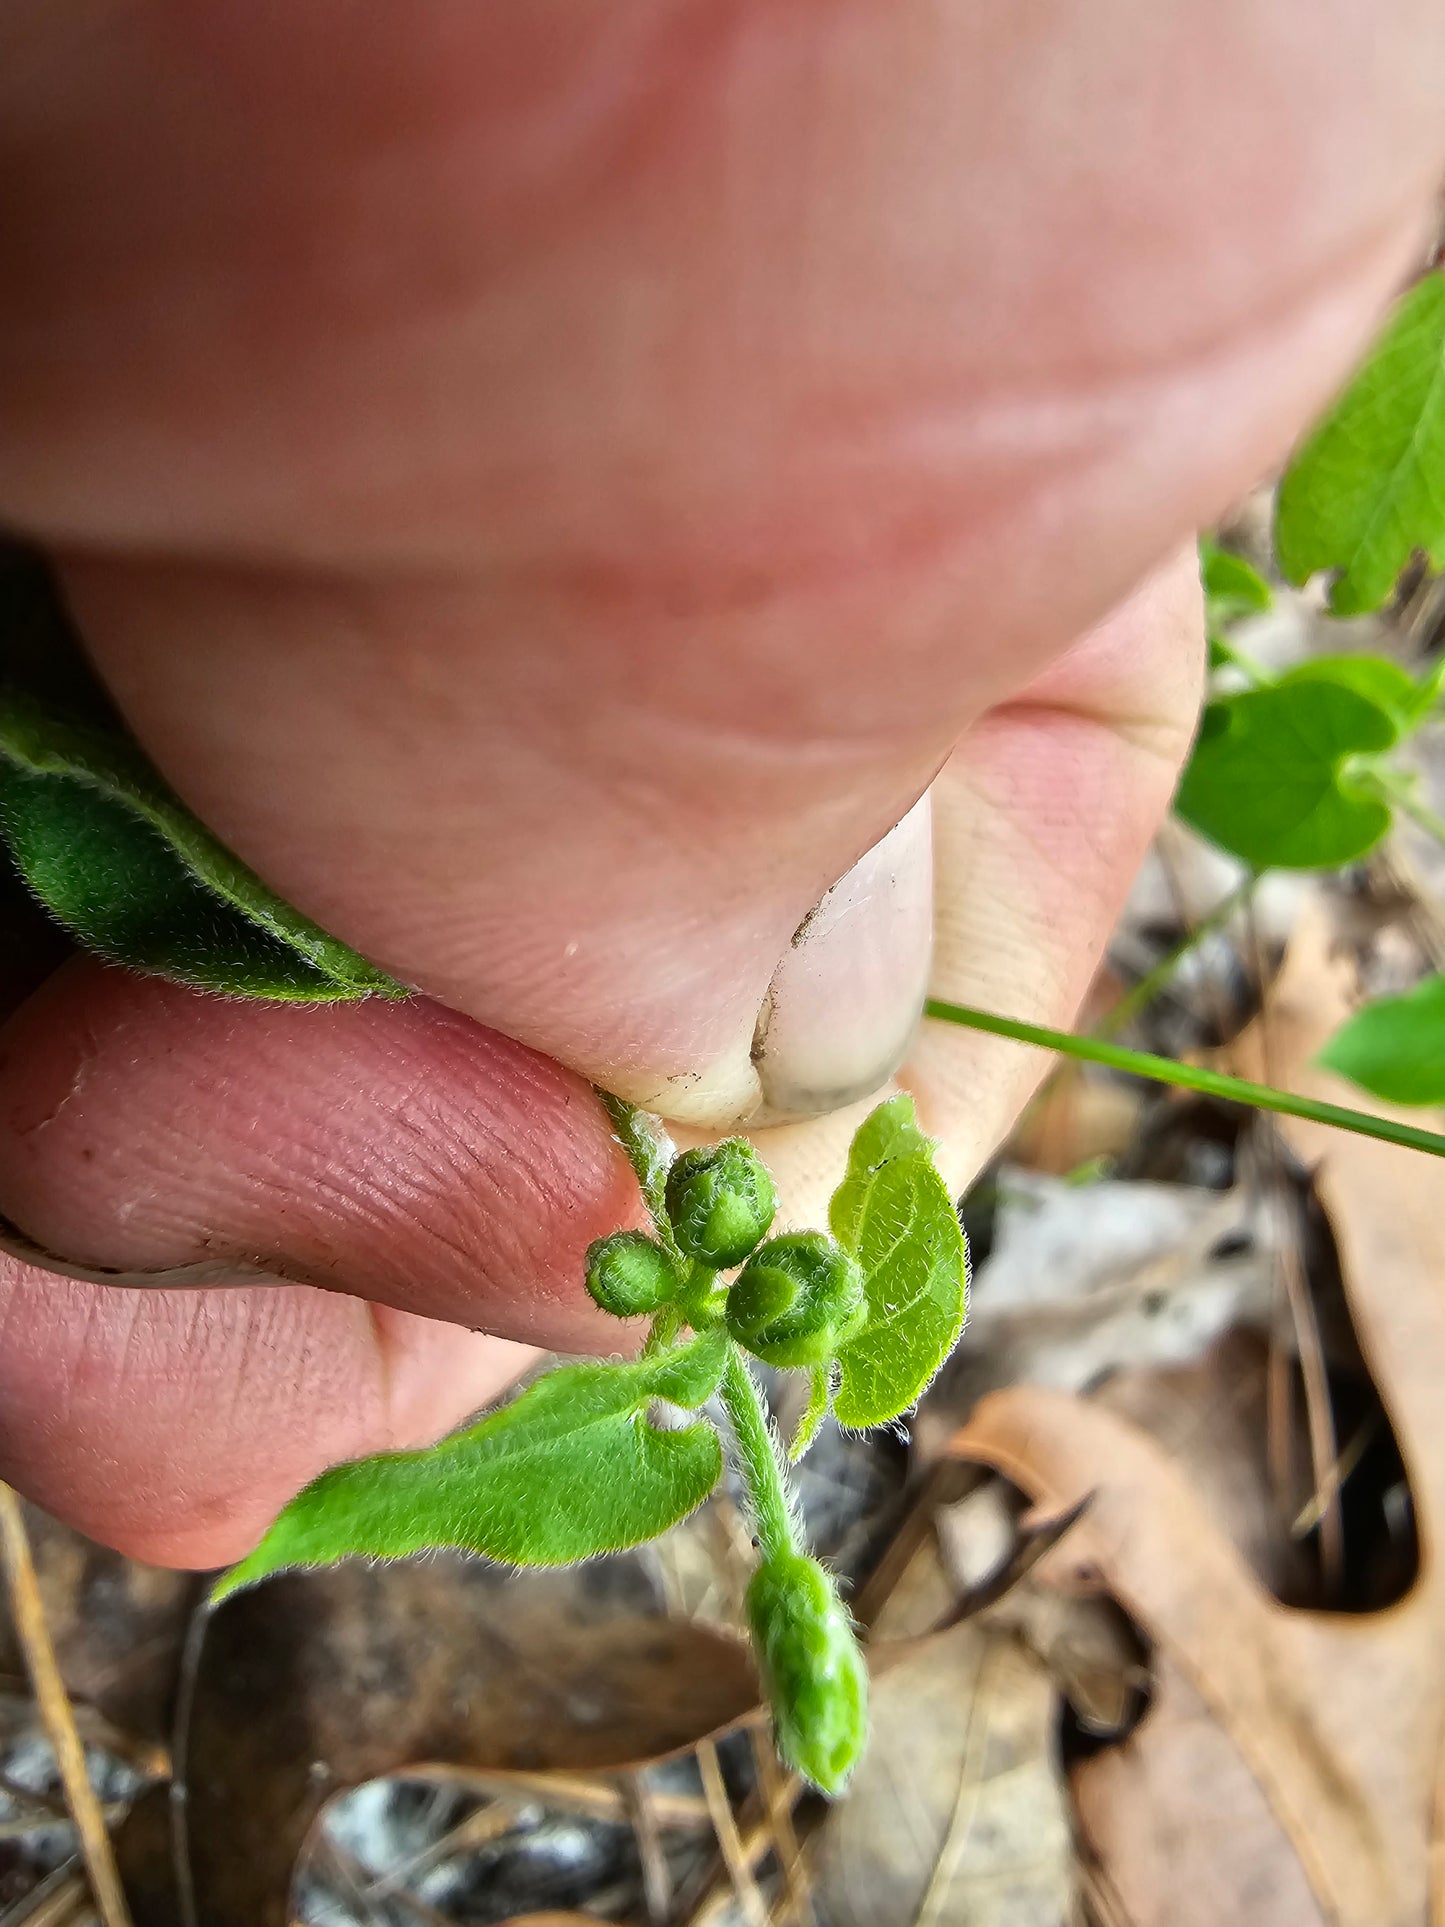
893, 1212
1271, 775
570, 1469
130, 872
1395, 1046
890, 1130
1367, 489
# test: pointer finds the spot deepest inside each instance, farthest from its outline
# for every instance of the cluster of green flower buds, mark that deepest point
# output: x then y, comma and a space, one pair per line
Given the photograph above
720, 1203
797, 1301
814, 1673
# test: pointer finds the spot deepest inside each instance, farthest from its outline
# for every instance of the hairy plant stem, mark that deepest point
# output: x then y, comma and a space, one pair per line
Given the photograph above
758, 1460
1187, 1077
663, 1331
649, 1152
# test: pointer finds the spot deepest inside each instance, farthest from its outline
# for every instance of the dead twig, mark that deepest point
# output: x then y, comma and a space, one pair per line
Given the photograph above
932, 1908
28, 1612
597, 1799
479, 1829
180, 1784
1309, 1347
1032, 1542
656, 1874
944, 1482
779, 1797
711, 1893
735, 1856
56, 1902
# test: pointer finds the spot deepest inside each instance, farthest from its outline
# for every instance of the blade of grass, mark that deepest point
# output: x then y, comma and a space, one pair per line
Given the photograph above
1188, 1077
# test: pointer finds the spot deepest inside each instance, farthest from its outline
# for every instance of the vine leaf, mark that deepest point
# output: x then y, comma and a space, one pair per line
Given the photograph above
1377, 679
1395, 1046
1271, 777
570, 1469
1365, 492
893, 1212
1233, 588
124, 866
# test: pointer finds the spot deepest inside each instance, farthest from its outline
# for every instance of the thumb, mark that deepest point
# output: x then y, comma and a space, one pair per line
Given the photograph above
553, 493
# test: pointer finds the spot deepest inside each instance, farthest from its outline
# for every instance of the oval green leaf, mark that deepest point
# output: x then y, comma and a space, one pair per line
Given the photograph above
1270, 775
893, 1212
570, 1469
120, 861
1364, 492
1395, 1046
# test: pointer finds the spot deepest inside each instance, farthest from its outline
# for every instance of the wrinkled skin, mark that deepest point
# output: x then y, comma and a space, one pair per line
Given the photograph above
553, 487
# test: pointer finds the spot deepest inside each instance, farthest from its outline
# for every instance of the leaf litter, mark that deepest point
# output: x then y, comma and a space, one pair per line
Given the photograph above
1310, 1742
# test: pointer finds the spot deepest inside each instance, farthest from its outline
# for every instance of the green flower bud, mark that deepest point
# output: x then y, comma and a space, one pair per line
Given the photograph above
721, 1201
815, 1675
798, 1300
630, 1274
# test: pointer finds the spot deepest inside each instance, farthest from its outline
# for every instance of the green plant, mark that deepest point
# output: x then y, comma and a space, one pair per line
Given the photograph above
1302, 771
1294, 771
1363, 493
124, 865
576, 1466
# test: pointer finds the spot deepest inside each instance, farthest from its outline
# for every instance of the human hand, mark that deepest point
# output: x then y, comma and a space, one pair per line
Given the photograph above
553, 492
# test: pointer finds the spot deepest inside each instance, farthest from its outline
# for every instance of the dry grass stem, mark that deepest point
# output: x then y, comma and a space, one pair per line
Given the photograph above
28, 1612
779, 1797
597, 1799
736, 1858
656, 1874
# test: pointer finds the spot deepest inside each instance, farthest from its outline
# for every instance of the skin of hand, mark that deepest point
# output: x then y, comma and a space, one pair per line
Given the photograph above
558, 489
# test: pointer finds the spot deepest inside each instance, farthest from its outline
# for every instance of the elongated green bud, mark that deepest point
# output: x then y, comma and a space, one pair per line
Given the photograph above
629, 1274
721, 1201
797, 1301
815, 1675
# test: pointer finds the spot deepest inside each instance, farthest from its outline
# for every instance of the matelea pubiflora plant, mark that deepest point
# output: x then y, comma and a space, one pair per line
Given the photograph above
580, 1463
577, 1465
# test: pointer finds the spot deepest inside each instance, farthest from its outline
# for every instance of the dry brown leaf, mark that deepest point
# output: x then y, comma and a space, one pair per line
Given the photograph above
1213, 1417
956, 1816
1337, 1722
1087, 1280
318, 1681
1183, 1828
